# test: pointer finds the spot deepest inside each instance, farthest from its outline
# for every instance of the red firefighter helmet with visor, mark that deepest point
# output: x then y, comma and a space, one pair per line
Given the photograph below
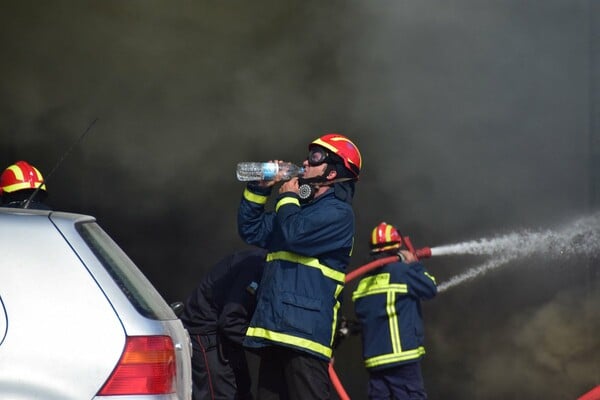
339, 145
385, 237
21, 175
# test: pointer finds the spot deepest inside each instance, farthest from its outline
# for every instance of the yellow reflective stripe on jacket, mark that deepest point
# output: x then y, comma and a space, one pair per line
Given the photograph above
378, 284
431, 277
394, 357
287, 200
255, 198
338, 291
289, 339
390, 307
309, 262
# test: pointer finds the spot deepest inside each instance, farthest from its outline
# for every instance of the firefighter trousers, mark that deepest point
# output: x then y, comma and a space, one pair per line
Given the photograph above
286, 374
213, 376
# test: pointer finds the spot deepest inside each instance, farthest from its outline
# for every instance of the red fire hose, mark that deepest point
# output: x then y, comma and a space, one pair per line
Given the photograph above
425, 252
593, 394
337, 384
350, 276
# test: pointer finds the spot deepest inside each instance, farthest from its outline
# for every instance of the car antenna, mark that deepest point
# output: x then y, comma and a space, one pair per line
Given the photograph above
66, 153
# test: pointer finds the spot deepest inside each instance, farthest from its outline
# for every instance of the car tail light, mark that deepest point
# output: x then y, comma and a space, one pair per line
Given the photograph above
147, 366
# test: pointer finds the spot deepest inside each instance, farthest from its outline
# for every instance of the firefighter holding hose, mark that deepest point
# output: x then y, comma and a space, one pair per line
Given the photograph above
387, 302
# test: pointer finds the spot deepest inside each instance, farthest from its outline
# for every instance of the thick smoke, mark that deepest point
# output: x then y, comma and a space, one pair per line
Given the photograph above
542, 351
473, 119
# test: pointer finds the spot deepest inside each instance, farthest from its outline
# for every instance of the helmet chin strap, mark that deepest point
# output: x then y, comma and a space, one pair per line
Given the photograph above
309, 186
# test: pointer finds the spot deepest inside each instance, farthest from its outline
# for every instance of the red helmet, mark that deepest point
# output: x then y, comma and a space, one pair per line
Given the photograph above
385, 237
21, 175
343, 148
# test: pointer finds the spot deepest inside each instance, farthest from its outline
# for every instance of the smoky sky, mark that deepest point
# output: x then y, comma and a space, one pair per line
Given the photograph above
473, 118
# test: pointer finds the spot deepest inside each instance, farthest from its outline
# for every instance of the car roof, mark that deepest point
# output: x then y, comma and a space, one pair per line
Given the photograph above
74, 217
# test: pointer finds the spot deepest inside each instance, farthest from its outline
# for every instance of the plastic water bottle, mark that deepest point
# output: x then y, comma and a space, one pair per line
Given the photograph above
266, 171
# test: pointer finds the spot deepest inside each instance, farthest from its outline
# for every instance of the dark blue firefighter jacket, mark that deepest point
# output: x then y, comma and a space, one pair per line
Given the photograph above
387, 303
309, 248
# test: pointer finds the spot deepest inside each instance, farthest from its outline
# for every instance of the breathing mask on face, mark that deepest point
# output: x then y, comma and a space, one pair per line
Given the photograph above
307, 188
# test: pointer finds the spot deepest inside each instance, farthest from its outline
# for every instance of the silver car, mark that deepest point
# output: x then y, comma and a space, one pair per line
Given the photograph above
78, 320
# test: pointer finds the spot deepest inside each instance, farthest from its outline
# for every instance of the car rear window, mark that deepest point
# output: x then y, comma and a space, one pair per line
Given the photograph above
138, 289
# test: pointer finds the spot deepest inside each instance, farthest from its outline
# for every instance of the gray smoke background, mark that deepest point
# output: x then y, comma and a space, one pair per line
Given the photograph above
474, 118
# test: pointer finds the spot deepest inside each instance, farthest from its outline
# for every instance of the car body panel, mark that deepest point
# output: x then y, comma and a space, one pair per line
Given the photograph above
3, 322
65, 317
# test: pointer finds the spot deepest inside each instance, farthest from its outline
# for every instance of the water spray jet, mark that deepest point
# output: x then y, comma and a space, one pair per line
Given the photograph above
579, 238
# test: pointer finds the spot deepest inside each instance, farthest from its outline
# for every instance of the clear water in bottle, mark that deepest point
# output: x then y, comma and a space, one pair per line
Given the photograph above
266, 171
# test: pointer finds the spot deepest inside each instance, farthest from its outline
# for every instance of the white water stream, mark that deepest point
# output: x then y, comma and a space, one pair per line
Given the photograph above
579, 238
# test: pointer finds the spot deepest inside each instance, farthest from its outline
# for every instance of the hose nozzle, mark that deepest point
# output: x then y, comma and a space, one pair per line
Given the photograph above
425, 252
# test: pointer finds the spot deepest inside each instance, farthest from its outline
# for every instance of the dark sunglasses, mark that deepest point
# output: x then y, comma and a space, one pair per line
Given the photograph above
317, 156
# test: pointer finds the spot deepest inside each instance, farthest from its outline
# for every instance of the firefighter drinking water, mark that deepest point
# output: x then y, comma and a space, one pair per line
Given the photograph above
309, 238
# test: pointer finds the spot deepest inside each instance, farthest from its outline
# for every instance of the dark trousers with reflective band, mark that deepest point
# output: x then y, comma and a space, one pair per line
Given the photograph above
403, 382
286, 374
214, 378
